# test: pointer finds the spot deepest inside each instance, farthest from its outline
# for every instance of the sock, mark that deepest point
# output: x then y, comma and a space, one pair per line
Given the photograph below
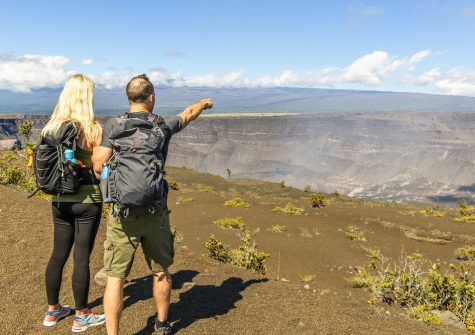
160, 324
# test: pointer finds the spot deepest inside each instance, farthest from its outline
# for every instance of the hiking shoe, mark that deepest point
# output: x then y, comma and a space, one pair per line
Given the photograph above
90, 319
52, 317
164, 330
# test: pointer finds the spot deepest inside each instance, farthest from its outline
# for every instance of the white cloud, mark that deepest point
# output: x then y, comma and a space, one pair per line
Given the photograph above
324, 77
87, 61
375, 69
111, 79
419, 56
370, 68
456, 81
22, 74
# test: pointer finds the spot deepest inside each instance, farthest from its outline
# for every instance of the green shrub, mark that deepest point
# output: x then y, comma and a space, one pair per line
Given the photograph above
236, 202
466, 253
305, 233
306, 278
408, 284
422, 314
434, 211
354, 233
307, 189
245, 256
203, 188
373, 253
318, 200
277, 228
17, 177
11, 176
173, 184
466, 213
217, 250
230, 223
282, 183
177, 237
289, 209
9, 156
184, 198
25, 129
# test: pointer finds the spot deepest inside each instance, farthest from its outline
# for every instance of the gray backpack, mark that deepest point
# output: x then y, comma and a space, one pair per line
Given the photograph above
134, 174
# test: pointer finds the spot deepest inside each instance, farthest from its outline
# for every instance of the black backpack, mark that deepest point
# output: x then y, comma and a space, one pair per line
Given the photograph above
134, 174
55, 174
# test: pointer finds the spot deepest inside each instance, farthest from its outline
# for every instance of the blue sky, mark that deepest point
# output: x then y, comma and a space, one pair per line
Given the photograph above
416, 46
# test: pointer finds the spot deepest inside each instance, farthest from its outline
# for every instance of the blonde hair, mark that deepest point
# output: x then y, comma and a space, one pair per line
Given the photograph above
75, 104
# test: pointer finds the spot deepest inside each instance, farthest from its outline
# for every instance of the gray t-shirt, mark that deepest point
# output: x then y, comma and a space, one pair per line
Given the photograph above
174, 124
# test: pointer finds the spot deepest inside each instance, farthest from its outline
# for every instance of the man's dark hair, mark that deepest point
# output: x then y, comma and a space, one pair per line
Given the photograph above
139, 88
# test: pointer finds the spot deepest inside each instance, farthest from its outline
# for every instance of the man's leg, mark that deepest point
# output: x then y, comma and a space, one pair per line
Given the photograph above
113, 297
119, 250
162, 288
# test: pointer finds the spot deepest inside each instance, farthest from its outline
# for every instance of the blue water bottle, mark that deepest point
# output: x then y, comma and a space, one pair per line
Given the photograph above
104, 184
69, 154
105, 171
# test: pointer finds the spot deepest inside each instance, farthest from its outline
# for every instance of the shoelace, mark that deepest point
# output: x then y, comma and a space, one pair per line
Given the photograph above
88, 312
51, 313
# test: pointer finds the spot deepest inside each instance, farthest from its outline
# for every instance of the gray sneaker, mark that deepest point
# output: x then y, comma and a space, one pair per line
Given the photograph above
165, 330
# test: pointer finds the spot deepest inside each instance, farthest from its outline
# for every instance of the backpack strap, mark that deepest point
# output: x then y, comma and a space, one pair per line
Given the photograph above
163, 126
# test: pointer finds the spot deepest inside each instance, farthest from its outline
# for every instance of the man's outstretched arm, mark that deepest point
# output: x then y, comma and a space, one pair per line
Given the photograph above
193, 111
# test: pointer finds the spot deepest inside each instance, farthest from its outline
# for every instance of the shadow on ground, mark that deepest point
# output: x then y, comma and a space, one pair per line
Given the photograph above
201, 301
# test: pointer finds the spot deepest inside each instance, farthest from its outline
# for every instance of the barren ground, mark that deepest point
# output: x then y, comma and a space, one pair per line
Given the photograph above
215, 298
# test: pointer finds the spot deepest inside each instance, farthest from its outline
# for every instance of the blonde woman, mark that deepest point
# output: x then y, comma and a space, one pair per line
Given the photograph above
76, 216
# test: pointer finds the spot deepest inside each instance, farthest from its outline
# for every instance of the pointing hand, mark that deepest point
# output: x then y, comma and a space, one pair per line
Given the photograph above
206, 103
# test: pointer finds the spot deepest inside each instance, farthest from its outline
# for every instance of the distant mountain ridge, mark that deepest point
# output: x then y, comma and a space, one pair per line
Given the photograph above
301, 100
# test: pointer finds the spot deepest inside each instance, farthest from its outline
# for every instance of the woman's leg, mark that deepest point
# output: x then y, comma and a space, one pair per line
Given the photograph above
88, 217
63, 242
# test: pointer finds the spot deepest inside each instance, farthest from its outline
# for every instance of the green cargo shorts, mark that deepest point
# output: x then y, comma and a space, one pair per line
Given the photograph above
124, 235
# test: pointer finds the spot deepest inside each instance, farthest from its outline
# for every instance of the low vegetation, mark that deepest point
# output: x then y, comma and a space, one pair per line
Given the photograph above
277, 228
306, 278
318, 200
231, 223
434, 211
177, 236
203, 188
245, 256
14, 176
465, 213
184, 199
420, 287
236, 202
354, 233
172, 184
305, 233
466, 253
289, 209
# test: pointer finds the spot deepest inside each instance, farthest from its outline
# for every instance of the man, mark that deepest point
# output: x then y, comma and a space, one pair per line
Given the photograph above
150, 229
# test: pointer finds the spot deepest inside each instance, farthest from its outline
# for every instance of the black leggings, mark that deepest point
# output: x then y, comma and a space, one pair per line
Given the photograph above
74, 223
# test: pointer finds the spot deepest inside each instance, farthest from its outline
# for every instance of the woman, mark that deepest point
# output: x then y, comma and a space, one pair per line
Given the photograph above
76, 216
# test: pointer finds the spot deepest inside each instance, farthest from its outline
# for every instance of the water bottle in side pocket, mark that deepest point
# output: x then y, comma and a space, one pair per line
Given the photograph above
105, 173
